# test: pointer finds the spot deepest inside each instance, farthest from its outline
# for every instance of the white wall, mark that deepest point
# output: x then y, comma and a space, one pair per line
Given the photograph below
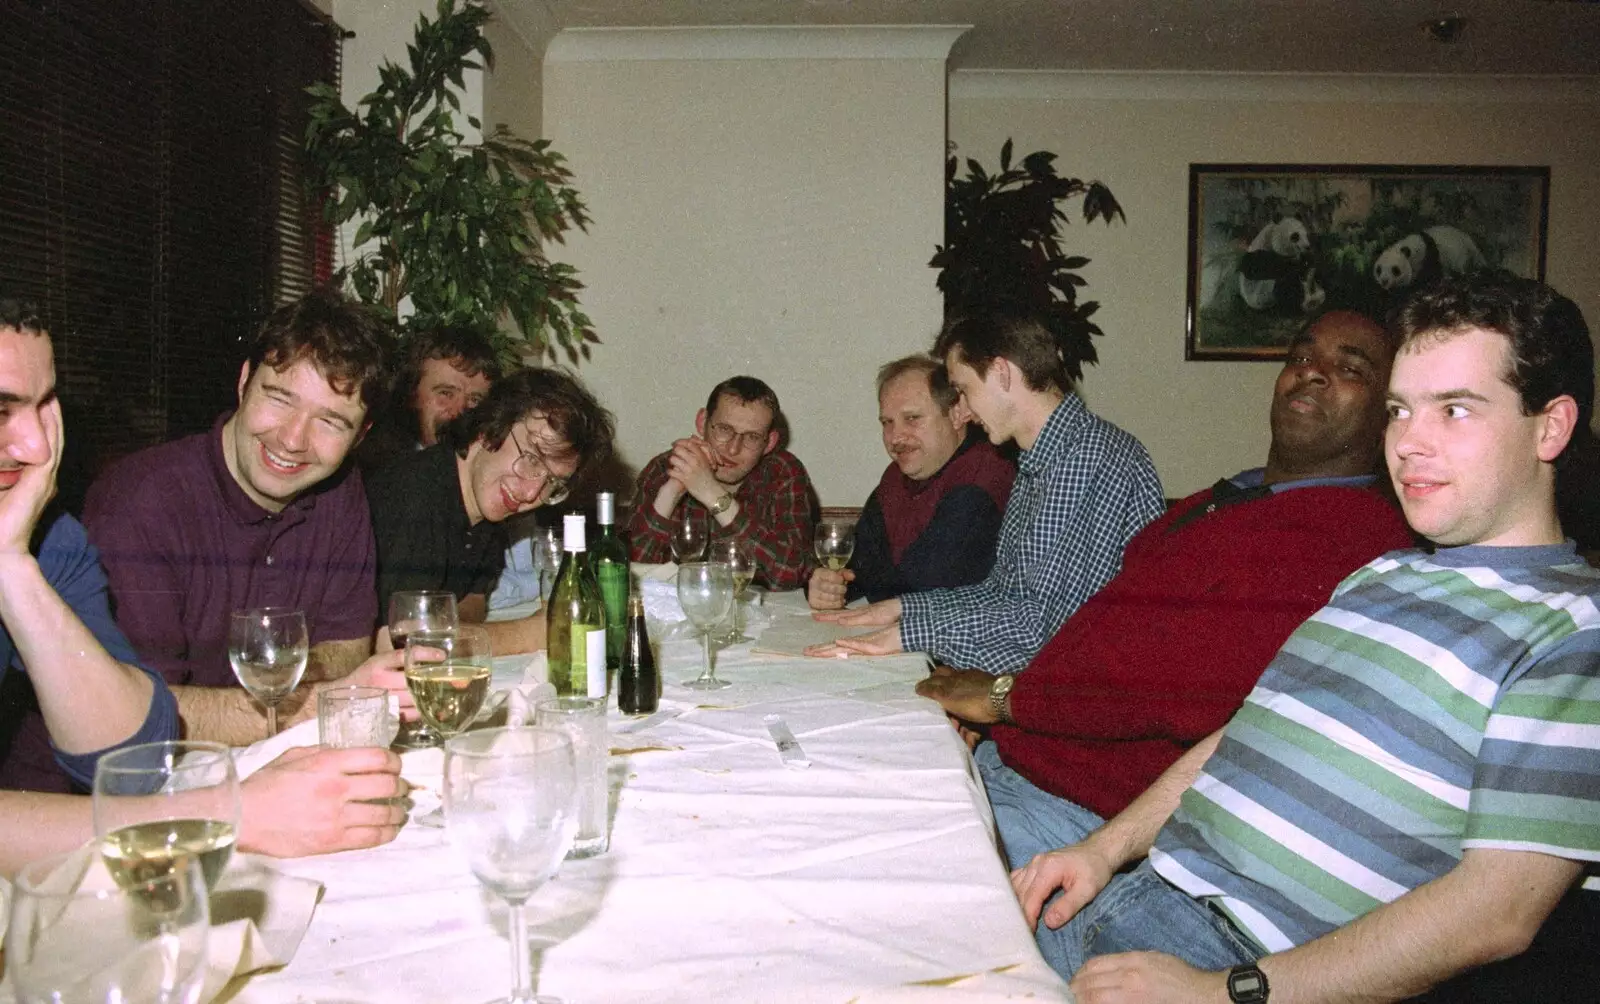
765, 201
1139, 132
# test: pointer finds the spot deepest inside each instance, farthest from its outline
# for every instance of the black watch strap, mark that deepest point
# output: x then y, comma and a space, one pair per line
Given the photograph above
1247, 985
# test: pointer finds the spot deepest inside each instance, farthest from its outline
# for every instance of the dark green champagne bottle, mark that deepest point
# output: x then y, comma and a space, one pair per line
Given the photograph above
610, 561
577, 624
638, 684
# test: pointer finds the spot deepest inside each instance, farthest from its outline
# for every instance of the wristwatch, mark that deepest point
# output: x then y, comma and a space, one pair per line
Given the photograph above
998, 692
722, 504
1247, 985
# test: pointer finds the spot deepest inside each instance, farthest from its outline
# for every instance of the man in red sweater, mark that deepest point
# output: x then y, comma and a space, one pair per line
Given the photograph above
1166, 651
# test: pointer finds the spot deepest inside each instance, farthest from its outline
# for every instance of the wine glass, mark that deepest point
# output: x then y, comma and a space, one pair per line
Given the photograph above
740, 557
77, 935
834, 543
705, 591
430, 610
157, 802
450, 686
689, 536
511, 807
267, 647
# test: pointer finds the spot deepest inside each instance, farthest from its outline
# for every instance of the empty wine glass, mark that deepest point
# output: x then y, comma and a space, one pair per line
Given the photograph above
740, 557
689, 536
77, 935
268, 647
511, 808
430, 610
156, 802
705, 591
834, 543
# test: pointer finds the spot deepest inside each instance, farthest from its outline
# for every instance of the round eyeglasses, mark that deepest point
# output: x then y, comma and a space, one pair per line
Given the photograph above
530, 466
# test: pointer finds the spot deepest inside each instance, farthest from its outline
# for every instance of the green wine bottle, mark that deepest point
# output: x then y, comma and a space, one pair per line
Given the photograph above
577, 620
610, 563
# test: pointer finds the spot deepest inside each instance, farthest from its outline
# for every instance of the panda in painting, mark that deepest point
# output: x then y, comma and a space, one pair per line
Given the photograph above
1421, 259
1276, 270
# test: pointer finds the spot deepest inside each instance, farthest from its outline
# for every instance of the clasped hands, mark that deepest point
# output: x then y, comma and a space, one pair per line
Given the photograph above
691, 469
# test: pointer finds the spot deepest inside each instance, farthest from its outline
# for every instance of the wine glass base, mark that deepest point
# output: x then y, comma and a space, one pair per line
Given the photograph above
417, 737
707, 683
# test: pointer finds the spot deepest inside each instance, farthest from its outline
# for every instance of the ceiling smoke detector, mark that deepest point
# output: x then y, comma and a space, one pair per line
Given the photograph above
1445, 30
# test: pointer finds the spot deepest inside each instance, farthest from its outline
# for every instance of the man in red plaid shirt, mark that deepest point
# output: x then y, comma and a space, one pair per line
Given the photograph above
732, 473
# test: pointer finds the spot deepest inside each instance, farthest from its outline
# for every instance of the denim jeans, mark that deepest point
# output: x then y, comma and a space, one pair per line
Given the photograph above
1029, 820
1139, 912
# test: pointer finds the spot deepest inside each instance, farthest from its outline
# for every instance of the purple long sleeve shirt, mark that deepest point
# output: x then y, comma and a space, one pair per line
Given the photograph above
184, 547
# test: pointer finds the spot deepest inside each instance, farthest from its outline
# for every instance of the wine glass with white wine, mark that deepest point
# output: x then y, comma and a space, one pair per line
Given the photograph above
268, 648
156, 803
834, 543
705, 591
427, 610
511, 808
740, 557
448, 676
689, 536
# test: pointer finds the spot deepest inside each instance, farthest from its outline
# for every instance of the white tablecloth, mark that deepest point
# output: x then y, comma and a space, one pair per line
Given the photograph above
870, 876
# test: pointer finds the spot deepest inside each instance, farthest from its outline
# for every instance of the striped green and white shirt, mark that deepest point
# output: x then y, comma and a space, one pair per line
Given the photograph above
1438, 702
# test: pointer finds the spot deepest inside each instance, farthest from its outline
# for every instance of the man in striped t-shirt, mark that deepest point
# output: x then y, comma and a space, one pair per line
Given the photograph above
1414, 783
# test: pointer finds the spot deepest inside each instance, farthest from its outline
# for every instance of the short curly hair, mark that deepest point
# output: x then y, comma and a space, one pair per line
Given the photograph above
556, 395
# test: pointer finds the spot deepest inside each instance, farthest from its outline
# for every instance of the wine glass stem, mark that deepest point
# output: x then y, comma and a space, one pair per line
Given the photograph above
521, 958
705, 644
272, 720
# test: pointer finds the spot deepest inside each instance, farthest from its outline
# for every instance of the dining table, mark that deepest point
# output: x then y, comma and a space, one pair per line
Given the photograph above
864, 871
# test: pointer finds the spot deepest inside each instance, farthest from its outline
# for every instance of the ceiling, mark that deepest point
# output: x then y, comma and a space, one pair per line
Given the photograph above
1261, 36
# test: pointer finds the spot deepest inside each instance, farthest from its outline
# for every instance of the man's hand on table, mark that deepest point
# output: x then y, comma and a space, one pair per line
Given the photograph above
313, 800
386, 670
879, 614
884, 641
827, 588
964, 693
1145, 978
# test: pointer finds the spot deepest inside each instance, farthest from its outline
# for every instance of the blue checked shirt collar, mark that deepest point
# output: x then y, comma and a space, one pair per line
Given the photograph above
1059, 432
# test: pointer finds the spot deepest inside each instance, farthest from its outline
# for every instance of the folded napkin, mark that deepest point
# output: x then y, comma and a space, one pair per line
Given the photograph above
249, 759
258, 916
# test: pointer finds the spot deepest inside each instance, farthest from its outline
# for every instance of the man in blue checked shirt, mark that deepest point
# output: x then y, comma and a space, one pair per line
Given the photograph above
1083, 488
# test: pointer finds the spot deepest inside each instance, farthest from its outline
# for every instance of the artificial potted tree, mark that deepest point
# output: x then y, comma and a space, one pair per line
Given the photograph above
1003, 250
457, 229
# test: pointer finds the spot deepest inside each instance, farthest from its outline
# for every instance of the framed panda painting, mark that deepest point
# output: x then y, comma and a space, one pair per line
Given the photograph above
1271, 245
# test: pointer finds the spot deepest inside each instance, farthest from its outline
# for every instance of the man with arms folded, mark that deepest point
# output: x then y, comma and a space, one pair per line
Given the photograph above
1083, 488
446, 371
439, 515
1163, 654
1414, 783
732, 473
73, 687
935, 516
260, 511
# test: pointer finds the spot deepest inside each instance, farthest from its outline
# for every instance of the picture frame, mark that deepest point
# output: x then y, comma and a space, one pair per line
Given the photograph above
1272, 245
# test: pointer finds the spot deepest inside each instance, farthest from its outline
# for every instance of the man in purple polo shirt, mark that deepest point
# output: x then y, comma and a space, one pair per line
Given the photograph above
260, 511
71, 687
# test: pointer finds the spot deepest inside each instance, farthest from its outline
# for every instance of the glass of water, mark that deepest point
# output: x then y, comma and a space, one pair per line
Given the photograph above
583, 720
348, 717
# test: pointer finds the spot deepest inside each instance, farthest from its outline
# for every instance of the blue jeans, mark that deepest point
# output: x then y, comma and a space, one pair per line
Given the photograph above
1139, 912
1029, 819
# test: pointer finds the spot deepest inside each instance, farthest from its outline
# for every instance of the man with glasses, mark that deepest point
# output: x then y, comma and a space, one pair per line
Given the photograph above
439, 515
732, 474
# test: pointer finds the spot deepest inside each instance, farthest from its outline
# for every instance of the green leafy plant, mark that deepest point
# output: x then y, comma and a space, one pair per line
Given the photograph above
1003, 251
459, 228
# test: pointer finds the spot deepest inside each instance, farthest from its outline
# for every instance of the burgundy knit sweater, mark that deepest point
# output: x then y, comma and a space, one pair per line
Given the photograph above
1164, 653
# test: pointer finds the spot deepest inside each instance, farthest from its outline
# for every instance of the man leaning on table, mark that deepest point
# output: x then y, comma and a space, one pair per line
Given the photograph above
1083, 488
262, 510
1164, 653
438, 516
72, 682
732, 473
935, 516
1414, 783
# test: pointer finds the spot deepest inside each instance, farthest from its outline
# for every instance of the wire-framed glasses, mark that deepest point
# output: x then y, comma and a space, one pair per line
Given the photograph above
530, 466
723, 435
